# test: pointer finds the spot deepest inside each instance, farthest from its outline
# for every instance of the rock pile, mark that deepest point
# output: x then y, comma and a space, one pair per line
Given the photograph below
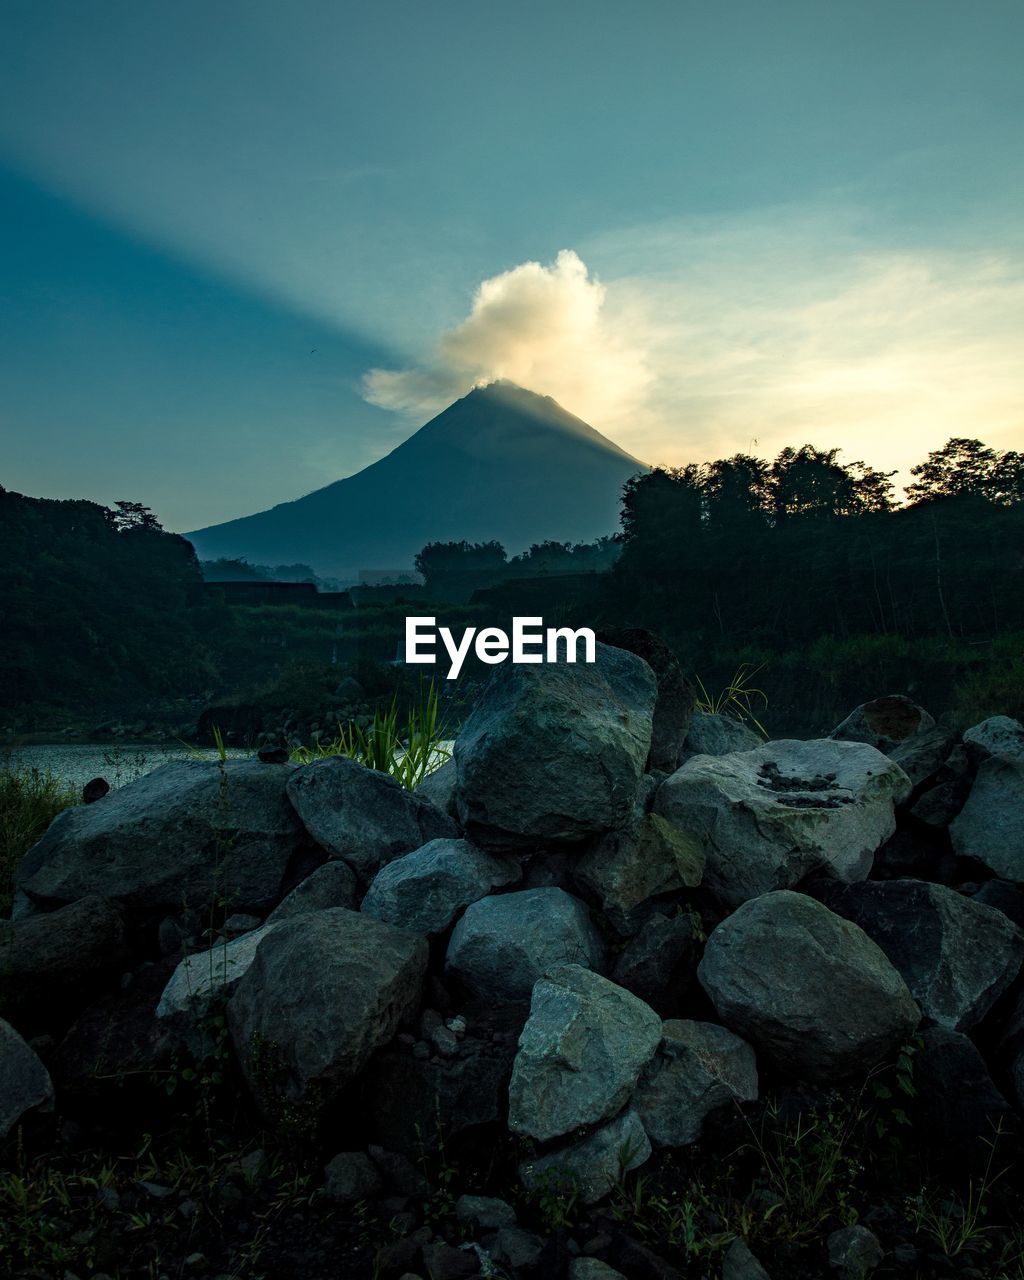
548, 943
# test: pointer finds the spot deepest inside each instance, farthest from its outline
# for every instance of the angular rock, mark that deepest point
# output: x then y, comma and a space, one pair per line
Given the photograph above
854, 1252
191, 831
323, 992
647, 858
503, 944
990, 826
204, 978
592, 1269
555, 752
998, 737
713, 734
901, 730
808, 989
445, 1262
769, 817
332, 885
583, 1047
699, 1067
673, 709
1004, 896
947, 790
440, 786
362, 815
484, 1213
956, 955
24, 1081
958, 1105
593, 1166
52, 963
516, 1248
425, 890
740, 1264
352, 1176
659, 965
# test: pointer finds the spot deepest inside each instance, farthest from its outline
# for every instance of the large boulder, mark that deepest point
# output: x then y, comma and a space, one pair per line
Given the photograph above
645, 859
956, 955
503, 944
592, 1167
769, 817
334, 884
425, 890
51, 964
362, 815
204, 979
192, 831
900, 729
998, 736
322, 994
810, 990
713, 734
957, 1103
583, 1047
990, 826
24, 1082
555, 752
673, 709
659, 964
699, 1068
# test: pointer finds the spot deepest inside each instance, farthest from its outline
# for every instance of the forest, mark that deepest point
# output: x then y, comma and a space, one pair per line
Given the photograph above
803, 569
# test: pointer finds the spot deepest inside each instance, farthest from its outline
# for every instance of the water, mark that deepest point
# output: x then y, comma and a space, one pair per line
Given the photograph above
76, 762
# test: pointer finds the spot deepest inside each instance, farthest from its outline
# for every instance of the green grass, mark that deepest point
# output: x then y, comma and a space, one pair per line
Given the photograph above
408, 752
29, 801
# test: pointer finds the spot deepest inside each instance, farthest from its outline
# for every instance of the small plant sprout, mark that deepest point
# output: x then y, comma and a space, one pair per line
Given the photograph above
738, 699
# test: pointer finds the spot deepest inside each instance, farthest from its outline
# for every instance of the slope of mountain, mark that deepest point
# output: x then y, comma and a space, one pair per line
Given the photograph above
501, 463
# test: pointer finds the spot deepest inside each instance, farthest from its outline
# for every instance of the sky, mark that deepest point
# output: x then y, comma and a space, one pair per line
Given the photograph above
247, 247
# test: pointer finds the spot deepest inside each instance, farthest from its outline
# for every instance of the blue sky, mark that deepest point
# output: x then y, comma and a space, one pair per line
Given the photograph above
776, 221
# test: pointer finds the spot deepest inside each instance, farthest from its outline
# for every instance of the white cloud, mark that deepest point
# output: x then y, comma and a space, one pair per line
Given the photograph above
543, 327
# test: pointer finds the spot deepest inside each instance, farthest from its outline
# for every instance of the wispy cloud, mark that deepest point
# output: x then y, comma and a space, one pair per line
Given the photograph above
701, 340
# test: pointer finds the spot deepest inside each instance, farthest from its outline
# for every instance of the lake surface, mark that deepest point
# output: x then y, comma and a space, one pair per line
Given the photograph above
76, 762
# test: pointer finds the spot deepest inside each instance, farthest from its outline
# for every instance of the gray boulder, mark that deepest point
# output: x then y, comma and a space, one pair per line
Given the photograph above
853, 1252
352, 1176
52, 962
998, 737
439, 787
323, 992
362, 815
555, 752
583, 1047
592, 1269
649, 857
24, 1081
740, 1264
990, 826
769, 817
659, 965
332, 885
713, 734
699, 1068
425, 890
192, 831
484, 1213
503, 944
955, 954
593, 1166
673, 709
900, 729
205, 978
808, 989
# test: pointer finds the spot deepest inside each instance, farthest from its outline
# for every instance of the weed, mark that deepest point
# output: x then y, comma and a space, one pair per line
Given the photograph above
738, 699
408, 753
29, 801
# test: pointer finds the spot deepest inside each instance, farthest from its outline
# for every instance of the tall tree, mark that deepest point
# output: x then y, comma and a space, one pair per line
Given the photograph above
962, 466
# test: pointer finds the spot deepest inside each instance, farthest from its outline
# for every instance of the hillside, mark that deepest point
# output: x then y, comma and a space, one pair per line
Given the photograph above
500, 463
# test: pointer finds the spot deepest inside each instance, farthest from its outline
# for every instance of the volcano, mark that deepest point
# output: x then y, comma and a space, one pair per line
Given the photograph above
501, 463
